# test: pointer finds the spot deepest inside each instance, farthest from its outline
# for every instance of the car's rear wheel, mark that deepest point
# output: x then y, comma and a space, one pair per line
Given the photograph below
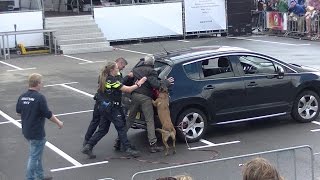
192, 125
306, 107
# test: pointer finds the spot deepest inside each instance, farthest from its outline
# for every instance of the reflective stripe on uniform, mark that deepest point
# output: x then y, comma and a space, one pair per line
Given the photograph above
112, 85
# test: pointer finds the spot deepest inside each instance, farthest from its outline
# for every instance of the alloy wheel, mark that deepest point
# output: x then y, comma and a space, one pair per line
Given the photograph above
192, 125
308, 106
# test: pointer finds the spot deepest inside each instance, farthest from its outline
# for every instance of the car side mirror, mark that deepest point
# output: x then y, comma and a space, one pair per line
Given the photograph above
280, 72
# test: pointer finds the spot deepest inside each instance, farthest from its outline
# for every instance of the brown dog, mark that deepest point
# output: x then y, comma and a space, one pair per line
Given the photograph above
168, 130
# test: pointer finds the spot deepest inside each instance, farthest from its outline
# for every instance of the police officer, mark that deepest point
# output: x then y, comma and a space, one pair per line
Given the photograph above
121, 62
110, 109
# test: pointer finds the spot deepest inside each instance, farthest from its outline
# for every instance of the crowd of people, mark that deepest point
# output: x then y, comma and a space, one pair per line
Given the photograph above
303, 12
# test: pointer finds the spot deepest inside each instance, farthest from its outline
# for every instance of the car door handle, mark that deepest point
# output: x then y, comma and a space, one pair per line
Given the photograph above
209, 87
252, 84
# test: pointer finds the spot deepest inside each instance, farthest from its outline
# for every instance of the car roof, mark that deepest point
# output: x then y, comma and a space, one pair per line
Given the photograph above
183, 55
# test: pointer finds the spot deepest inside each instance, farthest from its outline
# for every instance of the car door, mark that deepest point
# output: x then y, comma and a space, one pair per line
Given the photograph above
222, 89
267, 93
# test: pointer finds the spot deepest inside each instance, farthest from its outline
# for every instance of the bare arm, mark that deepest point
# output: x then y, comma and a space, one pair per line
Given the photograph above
55, 120
129, 89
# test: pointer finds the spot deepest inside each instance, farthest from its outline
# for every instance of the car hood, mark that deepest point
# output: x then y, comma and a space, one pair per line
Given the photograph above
303, 68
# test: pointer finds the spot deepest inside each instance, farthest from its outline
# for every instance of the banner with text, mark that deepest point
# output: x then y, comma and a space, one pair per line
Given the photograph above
277, 21
140, 21
205, 15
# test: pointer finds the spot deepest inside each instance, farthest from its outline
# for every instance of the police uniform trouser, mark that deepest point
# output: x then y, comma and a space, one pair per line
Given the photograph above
94, 122
115, 115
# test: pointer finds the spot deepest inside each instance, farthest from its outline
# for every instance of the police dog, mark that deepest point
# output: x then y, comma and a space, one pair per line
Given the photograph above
168, 130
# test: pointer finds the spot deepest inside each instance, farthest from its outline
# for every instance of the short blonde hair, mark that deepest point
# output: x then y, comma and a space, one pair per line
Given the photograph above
34, 79
260, 169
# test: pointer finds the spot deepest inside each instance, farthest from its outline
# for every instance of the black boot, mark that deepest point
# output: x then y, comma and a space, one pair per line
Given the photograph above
87, 149
117, 145
133, 153
155, 148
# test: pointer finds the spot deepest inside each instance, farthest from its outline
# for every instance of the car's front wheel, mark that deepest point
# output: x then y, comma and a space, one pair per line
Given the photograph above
306, 107
192, 125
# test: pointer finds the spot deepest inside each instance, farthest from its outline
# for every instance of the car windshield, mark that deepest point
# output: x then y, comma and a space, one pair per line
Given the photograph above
162, 67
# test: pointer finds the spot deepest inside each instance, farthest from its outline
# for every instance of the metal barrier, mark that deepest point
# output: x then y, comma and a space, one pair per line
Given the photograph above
258, 21
296, 25
294, 163
288, 25
5, 48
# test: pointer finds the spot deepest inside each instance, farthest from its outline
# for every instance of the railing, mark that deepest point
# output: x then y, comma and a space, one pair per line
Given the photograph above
5, 48
288, 25
296, 163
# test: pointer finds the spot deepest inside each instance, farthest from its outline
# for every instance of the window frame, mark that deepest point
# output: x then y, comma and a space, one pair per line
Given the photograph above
202, 78
257, 74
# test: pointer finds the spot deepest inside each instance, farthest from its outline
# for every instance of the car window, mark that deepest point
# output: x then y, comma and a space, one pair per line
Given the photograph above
286, 69
216, 68
256, 65
192, 70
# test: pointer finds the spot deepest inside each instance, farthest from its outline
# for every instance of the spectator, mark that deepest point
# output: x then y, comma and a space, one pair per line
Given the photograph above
33, 109
310, 20
269, 6
301, 2
260, 169
260, 5
299, 12
281, 6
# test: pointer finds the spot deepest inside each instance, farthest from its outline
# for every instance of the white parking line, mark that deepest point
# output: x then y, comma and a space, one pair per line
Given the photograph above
132, 51
210, 144
78, 112
79, 166
317, 123
13, 66
16, 68
80, 59
48, 144
206, 142
93, 62
183, 41
50, 85
77, 90
21, 69
57, 115
272, 42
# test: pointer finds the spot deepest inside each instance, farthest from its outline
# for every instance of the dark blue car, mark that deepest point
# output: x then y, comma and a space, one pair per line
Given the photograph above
221, 85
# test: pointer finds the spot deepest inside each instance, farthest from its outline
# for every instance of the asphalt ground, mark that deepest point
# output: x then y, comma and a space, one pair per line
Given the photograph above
70, 82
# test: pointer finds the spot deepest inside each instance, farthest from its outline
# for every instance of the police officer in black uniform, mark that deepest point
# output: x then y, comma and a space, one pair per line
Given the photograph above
121, 62
110, 109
